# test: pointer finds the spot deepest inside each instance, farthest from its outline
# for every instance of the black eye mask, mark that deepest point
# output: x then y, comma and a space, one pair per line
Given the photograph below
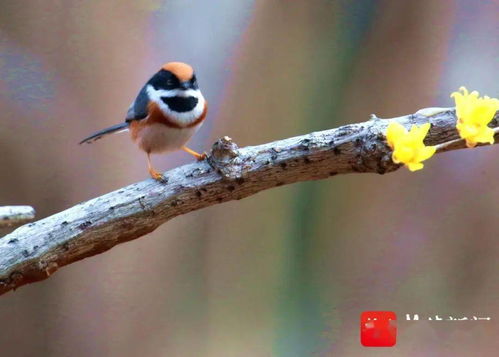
164, 80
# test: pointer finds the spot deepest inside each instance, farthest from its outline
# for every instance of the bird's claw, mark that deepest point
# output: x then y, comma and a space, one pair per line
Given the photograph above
202, 156
158, 177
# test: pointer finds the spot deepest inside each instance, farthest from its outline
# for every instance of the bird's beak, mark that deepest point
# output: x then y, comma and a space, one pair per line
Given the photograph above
185, 85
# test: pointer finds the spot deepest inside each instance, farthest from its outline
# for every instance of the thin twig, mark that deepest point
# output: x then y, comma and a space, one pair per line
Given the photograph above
34, 251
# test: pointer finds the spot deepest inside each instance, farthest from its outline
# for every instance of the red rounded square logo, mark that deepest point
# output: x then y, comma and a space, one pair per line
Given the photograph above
378, 329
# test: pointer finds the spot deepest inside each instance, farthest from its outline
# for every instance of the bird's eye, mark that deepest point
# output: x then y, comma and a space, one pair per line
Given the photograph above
169, 82
194, 80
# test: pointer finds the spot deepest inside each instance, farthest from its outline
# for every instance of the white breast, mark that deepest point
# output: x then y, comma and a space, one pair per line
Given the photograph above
158, 137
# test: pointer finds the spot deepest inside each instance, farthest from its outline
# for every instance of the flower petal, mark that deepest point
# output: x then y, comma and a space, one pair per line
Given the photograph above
408, 147
394, 132
415, 166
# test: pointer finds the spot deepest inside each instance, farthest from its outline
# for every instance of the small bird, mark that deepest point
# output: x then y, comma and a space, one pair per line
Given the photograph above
168, 110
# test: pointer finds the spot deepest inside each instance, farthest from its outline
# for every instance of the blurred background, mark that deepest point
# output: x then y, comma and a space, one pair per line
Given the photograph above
288, 271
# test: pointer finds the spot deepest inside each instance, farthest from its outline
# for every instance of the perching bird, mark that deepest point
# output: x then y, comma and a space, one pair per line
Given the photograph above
166, 113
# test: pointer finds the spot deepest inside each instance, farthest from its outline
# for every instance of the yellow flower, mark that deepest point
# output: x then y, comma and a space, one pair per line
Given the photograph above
473, 116
408, 147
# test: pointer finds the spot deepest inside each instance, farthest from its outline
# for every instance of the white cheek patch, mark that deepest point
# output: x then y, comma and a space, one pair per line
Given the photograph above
184, 118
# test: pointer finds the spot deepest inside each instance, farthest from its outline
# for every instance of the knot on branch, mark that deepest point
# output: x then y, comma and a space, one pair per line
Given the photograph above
225, 158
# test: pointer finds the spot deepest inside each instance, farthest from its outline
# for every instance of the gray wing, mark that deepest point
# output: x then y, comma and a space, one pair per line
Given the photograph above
139, 108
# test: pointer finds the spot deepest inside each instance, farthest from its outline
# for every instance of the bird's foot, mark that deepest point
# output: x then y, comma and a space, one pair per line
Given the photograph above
201, 157
157, 176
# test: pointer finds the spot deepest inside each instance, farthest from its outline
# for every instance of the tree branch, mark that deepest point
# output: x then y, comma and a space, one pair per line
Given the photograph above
36, 250
14, 216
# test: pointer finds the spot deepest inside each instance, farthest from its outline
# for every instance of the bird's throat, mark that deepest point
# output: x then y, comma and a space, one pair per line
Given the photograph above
180, 104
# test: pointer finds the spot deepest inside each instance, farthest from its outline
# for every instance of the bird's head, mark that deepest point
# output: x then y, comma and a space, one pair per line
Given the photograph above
175, 76
175, 89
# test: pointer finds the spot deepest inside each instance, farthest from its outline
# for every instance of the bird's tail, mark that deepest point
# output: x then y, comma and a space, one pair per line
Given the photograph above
111, 130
